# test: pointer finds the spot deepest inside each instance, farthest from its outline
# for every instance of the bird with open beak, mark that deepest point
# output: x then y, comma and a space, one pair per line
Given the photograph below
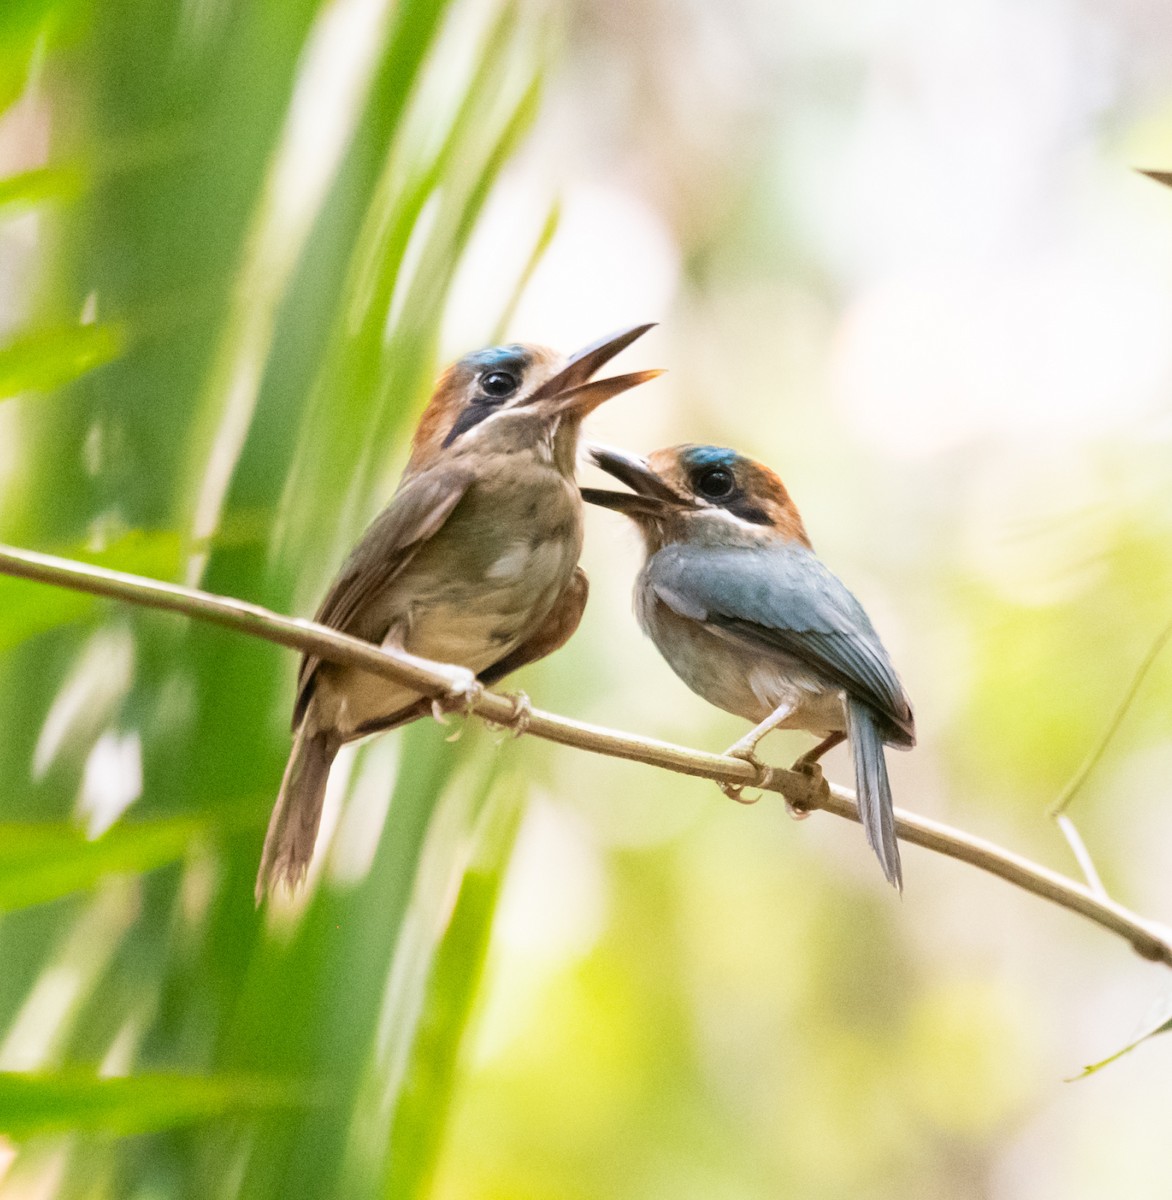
747, 616
473, 562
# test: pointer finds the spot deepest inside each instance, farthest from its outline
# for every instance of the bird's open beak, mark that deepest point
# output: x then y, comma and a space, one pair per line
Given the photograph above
572, 392
649, 495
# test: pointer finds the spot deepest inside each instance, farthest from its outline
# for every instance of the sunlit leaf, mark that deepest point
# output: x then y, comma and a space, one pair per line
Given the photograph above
28, 609
75, 1100
19, 23
45, 861
1158, 1020
48, 358
30, 188
19, 17
427, 1091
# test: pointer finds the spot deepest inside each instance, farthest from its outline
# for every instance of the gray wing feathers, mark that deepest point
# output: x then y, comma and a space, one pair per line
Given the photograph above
783, 598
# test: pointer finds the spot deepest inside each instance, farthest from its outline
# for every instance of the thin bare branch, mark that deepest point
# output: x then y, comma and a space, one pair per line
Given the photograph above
1092, 760
1082, 855
1150, 940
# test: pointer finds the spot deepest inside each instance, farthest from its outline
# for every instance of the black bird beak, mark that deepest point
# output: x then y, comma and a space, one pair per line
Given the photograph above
649, 495
571, 390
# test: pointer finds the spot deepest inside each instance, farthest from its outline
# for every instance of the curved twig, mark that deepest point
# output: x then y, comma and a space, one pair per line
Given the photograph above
1100, 748
1147, 938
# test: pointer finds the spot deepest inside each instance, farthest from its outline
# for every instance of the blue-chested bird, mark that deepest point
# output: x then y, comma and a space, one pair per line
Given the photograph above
745, 613
473, 562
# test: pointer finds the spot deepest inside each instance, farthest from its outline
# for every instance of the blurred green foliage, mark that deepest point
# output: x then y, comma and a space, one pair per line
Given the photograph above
210, 386
244, 223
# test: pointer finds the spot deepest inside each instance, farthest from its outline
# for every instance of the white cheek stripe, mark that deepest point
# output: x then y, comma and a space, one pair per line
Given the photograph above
723, 516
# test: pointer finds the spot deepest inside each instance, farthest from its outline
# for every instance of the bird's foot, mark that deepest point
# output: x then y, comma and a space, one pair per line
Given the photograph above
800, 805
464, 689
522, 714
746, 747
736, 791
517, 722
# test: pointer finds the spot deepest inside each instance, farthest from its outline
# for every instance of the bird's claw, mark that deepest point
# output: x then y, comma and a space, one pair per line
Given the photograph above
464, 690
736, 791
522, 714
517, 722
815, 785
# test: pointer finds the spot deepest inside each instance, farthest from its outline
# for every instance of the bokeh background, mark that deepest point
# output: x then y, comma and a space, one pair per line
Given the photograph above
898, 251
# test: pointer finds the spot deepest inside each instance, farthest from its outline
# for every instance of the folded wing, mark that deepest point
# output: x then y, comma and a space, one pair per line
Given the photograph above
782, 599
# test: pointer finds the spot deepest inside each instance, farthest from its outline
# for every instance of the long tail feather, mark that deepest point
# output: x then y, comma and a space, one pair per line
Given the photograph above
873, 789
297, 813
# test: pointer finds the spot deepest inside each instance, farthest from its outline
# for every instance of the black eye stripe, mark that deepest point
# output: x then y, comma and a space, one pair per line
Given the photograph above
469, 418
748, 511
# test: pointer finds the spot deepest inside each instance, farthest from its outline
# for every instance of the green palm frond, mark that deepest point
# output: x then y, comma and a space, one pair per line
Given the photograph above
212, 381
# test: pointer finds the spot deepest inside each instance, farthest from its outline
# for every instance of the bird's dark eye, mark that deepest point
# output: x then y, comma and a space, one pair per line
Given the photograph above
717, 483
499, 384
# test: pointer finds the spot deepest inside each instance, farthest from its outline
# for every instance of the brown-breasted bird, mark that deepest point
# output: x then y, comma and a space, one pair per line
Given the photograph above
747, 616
473, 562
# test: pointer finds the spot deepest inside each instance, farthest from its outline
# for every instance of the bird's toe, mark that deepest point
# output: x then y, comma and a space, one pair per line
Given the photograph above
811, 785
464, 689
522, 713
736, 791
